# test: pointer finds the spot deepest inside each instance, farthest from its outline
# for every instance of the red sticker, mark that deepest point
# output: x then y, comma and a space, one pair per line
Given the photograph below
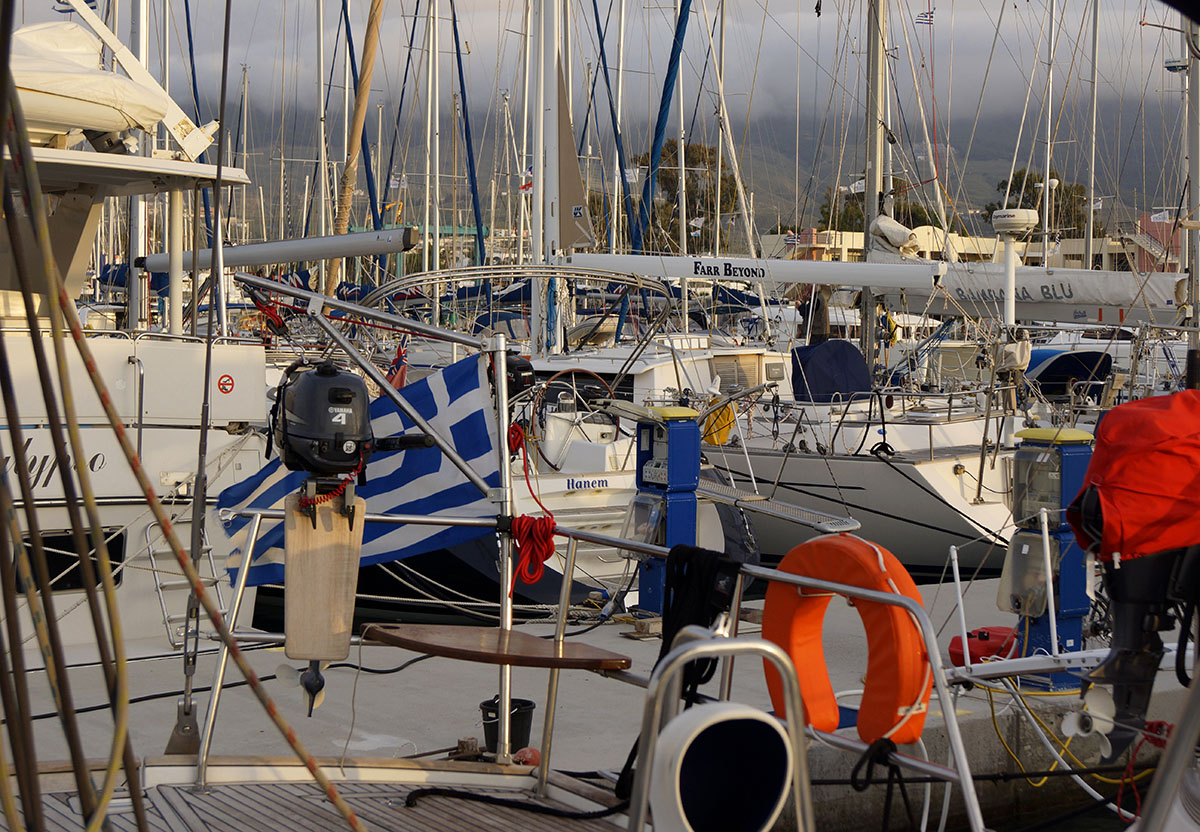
225, 383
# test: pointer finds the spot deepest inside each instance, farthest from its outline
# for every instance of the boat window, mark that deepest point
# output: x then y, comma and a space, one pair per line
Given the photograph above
62, 561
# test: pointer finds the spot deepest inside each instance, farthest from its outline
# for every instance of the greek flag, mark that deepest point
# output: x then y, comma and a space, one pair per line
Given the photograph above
457, 403
925, 18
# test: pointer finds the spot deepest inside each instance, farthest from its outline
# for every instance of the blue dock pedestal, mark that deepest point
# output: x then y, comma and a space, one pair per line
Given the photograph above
1048, 472
668, 469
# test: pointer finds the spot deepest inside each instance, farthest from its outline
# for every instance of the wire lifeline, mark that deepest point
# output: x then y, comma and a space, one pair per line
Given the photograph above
26, 167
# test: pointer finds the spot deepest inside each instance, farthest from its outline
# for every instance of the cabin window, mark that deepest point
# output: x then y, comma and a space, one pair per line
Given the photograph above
63, 561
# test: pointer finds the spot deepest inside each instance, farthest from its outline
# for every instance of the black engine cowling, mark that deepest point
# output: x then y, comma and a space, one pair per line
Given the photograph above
322, 420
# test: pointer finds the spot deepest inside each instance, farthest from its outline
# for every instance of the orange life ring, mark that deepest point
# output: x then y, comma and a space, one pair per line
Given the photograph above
897, 687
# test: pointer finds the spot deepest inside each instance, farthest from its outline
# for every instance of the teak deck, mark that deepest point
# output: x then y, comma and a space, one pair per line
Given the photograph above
302, 807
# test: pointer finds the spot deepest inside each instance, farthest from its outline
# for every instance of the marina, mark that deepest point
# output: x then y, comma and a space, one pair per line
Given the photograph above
611, 518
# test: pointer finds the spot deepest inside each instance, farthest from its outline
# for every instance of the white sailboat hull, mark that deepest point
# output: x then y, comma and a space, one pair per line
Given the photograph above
916, 509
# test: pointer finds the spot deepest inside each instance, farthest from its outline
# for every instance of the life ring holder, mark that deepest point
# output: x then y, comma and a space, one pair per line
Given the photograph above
899, 679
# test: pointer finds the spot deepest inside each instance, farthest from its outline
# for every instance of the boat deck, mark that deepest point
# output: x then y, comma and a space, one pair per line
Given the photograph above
302, 807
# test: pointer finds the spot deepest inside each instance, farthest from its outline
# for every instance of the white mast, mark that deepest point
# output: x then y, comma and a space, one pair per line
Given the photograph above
873, 179
1193, 142
1091, 182
436, 160
716, 246
523, 158
682, 190
322, 162
1049, 137
245, 235
425, 236
683, 218
136, 318
618, 189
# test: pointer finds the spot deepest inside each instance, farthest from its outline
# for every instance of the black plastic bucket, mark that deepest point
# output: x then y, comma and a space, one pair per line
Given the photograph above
521, 721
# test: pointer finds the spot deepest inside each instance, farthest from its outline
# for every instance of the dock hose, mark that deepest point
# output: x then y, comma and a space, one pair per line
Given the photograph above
879, 753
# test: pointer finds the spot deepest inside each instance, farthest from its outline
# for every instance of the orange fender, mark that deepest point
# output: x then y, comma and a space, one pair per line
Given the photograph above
898, 682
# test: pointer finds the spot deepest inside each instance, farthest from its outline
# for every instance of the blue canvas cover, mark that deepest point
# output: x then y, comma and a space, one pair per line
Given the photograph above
1056, 369
828, 371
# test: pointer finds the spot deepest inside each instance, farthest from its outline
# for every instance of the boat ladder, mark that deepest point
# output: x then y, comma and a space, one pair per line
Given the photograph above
170, 584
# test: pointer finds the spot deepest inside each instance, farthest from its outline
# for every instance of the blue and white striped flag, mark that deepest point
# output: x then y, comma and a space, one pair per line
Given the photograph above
925, 18
457, 403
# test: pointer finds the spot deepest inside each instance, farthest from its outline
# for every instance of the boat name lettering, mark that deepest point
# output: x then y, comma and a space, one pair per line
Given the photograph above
42, 467
726, 269
1048, 291
573, 484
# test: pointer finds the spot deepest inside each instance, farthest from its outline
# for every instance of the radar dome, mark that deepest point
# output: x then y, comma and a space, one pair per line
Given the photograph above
1014, 220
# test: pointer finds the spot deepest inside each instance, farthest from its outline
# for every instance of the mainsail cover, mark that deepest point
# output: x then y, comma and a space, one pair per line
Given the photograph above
56, 68
1055, 294
457, 403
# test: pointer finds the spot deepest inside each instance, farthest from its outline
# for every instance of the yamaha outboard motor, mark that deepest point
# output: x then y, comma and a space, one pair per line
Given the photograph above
1137, 514
322, 422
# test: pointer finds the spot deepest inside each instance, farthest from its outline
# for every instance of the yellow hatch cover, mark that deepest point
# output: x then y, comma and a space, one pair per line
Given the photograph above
668, 413
1056, 436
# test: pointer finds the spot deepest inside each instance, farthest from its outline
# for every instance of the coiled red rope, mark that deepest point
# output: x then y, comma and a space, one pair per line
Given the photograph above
1156, 733
307, 502
534, 536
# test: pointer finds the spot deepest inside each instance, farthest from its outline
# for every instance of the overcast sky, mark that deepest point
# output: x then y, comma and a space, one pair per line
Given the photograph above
784, 65
776, 50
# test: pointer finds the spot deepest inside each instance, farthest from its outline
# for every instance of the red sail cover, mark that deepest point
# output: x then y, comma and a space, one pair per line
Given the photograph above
1146, 469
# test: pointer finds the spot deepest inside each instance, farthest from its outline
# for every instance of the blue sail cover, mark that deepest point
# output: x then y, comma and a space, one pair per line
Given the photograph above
828, 371
1056, 369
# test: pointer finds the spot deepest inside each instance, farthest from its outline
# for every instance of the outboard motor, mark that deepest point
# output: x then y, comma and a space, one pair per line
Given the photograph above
1137, 514
322, 422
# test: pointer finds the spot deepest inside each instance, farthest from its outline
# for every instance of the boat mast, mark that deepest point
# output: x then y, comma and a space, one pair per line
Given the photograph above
1049, 131
682, 189
1091, 182
873, 179
245, 235
139, 36
523, 158
281, 231
354, 140
716, 239
425, 236
615, 234
322, 162
435, 94
1193, 141
683, 218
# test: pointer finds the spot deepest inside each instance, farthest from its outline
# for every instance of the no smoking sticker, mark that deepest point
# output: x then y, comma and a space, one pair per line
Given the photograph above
225, 383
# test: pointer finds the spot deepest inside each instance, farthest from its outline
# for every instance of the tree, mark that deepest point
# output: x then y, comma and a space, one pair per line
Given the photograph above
1068, 202
700, 164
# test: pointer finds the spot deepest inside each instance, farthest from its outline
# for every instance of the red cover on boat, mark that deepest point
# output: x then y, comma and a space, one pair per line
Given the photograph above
1146, 469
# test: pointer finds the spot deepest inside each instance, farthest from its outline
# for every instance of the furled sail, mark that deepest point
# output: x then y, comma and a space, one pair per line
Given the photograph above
576, 226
